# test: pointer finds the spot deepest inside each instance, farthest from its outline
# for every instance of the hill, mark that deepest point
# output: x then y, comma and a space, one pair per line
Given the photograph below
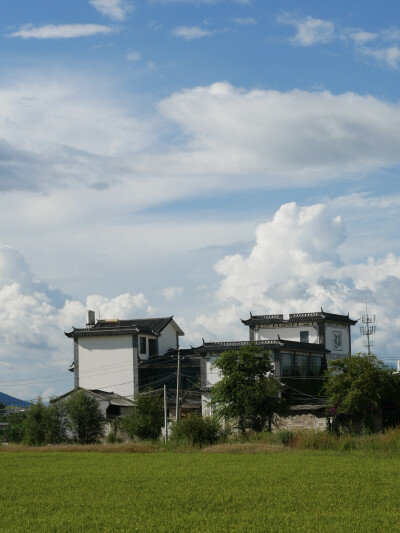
10, 400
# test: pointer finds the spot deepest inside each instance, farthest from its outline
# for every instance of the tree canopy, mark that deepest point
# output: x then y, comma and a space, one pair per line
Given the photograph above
248, 391
146, 418
85, 417
362, 384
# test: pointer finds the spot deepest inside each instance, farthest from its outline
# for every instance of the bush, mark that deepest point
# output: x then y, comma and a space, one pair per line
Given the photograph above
282, 437
146, 418
194, 430
57, 423
15, 432
85, 417
36, 424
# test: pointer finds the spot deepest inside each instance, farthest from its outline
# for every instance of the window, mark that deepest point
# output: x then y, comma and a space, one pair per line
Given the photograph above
315, 365
304, 337
152, 347
301, 365
286, 364
143, 348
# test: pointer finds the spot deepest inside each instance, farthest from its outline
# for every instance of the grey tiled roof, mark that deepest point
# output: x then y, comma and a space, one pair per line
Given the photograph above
319, 316
275, 344
150, 326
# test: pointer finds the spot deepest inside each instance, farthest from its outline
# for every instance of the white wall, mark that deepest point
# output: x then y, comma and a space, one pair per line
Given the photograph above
212, 374
287, 333
337, 331
205, 407
167, 339
106, 363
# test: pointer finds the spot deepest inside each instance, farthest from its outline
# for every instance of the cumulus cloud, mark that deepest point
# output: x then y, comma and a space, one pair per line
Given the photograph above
33, 317
295, 266
188, 33
172, 293
63, 31
314, 135
309, 30
114, 9
55, 133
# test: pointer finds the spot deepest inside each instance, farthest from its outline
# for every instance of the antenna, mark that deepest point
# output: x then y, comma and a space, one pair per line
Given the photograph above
368, 329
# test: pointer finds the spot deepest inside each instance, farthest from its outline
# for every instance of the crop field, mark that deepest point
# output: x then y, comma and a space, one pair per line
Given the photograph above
289, 491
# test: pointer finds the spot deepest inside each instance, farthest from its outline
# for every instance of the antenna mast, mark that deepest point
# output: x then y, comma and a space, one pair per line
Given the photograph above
368, 329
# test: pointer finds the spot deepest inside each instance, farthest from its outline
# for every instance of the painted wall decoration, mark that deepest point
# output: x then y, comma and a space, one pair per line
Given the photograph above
337, 340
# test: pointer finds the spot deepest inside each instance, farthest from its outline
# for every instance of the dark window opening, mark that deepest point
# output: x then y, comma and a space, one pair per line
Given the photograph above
143, 345
304, 336
152, 347
113, 411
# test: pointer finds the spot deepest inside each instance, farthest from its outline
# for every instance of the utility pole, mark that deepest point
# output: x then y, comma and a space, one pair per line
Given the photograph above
178, 378
165, 415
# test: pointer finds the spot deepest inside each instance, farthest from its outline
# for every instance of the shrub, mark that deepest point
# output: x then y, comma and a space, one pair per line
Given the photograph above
146, 418
15, 432
57, 423
194, 430
85, 417
36, 424
283, 437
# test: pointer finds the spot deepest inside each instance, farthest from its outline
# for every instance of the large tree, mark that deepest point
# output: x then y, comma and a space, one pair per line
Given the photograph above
146, 418
248, 392
85, 417
361, 385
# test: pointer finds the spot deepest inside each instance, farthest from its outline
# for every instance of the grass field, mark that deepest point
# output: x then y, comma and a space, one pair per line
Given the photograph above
287, 491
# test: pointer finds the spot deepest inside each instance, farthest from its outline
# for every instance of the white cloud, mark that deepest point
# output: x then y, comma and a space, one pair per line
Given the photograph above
301, 136
64, 31
64, 132
32, 320
172, 293
295, 266
133, 55
114, 9
387, 56
245, 21
309, 30
188, 33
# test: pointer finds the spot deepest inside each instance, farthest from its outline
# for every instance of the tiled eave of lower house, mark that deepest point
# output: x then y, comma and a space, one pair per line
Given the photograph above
276, 345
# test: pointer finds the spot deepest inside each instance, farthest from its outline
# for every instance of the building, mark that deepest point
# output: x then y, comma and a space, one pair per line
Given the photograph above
327, 329
111, 405
108, 353
301, 347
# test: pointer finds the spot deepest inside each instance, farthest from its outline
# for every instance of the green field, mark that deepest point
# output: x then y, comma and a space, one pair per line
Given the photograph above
199, 492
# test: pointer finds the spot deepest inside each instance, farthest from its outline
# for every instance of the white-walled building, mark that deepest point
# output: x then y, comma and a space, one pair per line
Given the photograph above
107, 353
301, 347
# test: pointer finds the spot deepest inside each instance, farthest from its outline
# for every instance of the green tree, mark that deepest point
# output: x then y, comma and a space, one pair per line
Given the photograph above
146, 418
36, 423
196, 430
85, 417
361, 385
57, 423
247, 392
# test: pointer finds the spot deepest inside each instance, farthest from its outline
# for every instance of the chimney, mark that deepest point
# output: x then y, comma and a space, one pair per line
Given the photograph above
90, 318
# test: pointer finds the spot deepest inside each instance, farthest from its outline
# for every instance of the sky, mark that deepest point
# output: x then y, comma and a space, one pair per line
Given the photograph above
195, 158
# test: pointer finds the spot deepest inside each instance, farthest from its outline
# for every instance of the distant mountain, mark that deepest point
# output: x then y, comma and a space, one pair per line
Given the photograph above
10, 400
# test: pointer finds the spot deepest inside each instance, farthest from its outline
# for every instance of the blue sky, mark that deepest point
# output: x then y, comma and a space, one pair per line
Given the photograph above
195, 158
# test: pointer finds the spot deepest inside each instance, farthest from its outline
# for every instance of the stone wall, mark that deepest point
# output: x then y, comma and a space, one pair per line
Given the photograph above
302, 420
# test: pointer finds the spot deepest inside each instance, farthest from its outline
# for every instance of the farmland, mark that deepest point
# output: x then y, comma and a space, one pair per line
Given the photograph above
290, 490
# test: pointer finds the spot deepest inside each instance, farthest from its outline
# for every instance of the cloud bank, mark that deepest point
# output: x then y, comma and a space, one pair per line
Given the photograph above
296, 266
